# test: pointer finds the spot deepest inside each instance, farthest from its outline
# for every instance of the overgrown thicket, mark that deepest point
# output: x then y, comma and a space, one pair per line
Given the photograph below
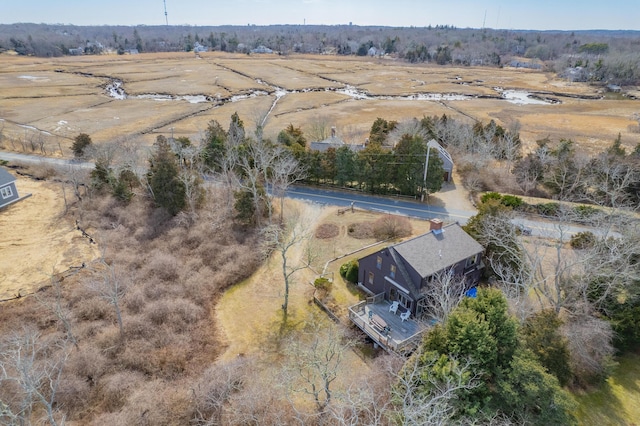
557, 170
123, 340
597, 56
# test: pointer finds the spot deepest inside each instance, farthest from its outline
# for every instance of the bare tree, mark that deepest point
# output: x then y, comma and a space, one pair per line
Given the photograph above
590, 348
426, 399
369, 399
110, 286
314, 361
59, 307
216, 387
190, 173
319, 128
286, 170
443, 294
284, 239
35, 368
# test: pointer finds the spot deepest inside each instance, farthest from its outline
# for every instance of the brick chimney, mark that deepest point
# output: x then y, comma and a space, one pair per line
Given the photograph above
435, 225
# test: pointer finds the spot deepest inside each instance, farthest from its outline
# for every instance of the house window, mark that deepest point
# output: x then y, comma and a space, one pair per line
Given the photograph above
379, 262
371, 278
392, 271
405, 301
6, 192
471, 261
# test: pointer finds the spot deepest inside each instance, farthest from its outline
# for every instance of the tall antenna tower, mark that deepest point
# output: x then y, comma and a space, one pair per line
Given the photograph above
166, 18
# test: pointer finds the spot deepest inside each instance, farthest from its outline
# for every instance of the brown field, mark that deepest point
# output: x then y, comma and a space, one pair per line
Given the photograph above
37, 240
58, 98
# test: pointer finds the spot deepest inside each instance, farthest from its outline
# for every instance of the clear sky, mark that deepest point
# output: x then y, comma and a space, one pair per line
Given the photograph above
506, 14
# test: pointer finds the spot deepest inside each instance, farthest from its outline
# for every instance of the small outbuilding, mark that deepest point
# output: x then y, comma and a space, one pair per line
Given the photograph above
8, 190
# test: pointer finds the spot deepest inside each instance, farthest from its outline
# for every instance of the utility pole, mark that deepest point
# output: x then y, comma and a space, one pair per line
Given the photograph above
166, 18
426, 165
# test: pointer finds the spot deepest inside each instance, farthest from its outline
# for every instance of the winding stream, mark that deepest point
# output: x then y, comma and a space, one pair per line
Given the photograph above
115, 89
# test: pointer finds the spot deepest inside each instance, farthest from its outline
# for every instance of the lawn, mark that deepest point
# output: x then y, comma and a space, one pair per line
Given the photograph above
617, 402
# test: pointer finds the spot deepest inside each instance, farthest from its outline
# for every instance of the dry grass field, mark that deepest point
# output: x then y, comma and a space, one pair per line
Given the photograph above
55, 99
37, 240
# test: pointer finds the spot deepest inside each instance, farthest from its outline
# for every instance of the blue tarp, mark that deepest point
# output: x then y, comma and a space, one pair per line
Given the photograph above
472, 292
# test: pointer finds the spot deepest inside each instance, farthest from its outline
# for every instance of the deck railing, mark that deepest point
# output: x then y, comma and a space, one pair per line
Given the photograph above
358, 315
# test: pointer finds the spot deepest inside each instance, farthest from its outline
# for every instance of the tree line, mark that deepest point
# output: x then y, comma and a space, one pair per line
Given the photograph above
596, 56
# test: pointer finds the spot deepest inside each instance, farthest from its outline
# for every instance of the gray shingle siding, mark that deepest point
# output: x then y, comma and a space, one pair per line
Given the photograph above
8, 190
419, 258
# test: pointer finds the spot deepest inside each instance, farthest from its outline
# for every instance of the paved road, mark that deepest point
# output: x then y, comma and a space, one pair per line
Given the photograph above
401, 206
538, 228
38, 159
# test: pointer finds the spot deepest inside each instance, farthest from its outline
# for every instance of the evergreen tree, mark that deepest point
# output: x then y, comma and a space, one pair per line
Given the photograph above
80, 143
512, 381
435, 173
541, 335
167, 189
409, 155
214, 145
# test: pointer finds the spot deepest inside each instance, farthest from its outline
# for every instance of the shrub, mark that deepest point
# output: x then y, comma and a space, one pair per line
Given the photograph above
490, 196
548, 209
323, 283
585, 212
512, 201
349, 271
583, 240
390, 226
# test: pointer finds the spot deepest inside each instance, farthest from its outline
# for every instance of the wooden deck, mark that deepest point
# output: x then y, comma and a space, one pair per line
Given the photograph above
398, 336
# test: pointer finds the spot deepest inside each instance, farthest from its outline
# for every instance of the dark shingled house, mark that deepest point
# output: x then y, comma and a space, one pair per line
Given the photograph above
402, 272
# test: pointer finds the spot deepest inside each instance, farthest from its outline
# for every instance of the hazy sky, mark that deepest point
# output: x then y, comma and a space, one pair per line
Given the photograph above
508, 14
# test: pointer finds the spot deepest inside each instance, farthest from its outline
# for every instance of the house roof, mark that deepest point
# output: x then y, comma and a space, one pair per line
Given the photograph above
435, 251
333, 142
6, 177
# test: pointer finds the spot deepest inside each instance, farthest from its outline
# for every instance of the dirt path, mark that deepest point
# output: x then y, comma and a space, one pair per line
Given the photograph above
36, 241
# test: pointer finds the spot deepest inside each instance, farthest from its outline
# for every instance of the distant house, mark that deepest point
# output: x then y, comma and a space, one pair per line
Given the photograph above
614, 88
334, 142
523, 64
261, 49
398, 278
76, 52
447, 161
8, 190
404, 271
197, 48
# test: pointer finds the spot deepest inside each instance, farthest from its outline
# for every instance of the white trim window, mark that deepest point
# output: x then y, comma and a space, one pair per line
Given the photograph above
6, 192
379, 262
392, 271
471, 261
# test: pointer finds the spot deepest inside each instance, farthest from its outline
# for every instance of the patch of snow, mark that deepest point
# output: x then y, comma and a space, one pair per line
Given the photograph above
33, 78
520, 97
115, 90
